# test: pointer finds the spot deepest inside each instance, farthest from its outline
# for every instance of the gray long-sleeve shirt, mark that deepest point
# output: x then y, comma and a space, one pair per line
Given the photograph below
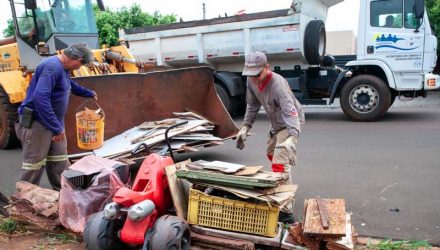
281, 106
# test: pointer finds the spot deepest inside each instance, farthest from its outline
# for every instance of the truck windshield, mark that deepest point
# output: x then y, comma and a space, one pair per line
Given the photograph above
393, 14
54, 16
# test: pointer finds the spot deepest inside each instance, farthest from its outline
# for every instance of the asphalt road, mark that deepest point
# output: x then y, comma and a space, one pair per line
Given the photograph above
388, 172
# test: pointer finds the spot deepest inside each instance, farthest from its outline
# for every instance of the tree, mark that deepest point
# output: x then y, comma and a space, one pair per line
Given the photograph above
109, 22
433, 7
10, 30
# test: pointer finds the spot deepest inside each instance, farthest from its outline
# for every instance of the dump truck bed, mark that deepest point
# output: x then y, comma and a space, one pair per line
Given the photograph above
133, 98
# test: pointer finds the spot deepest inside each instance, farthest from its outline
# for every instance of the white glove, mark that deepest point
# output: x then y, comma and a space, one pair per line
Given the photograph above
289, 144
241, 136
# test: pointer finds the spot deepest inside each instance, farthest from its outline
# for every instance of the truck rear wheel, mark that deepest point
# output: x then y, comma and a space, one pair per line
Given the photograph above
8, 115
228, 101
314, 42
365, 98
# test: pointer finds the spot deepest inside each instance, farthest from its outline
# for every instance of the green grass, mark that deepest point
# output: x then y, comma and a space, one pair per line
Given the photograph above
8, 226
389, 244
62, 238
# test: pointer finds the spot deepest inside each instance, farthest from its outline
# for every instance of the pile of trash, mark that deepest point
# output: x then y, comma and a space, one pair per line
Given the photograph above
188, 131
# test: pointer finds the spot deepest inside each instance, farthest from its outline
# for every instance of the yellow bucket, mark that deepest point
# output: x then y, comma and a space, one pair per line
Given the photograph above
89, 126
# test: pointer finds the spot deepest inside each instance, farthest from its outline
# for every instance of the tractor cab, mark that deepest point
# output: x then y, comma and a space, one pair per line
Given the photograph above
46, 26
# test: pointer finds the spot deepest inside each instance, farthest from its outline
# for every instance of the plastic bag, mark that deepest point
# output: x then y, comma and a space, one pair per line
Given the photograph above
86, 187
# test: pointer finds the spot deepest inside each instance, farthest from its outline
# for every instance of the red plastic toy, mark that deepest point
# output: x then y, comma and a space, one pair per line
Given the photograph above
138, 215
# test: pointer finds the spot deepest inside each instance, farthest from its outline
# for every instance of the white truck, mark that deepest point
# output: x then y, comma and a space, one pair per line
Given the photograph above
396, 53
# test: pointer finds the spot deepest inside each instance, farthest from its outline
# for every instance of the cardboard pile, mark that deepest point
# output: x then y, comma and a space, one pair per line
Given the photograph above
149, 137
248, 183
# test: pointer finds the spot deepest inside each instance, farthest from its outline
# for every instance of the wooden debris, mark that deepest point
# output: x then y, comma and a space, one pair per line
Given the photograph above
339, 235
322, 212
161, 123
348, 241
90, 115
256, 239
297, 237
180, 199
35, 205
4, 202
214, 242
336, 219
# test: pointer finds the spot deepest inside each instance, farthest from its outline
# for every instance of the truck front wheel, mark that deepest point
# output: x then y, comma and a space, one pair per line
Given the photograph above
365, 98
8, 115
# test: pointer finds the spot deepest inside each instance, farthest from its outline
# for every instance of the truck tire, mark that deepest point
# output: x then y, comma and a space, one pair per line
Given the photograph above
314, 42
365, 98
8, 115
100, 233
168, 232
226, 99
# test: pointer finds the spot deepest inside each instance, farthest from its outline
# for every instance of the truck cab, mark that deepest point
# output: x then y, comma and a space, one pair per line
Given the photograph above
390, 32
396, 54
46, 26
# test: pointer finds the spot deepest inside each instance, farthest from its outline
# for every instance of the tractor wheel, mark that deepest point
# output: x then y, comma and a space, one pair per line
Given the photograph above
365, 98
101, 233
8, 115
314, 42
169, 232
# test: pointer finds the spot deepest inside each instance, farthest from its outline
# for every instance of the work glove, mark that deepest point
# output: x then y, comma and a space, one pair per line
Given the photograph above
241, 136
289, 144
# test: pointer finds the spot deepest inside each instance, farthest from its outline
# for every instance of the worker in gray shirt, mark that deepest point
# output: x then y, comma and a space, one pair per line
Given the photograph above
270, 90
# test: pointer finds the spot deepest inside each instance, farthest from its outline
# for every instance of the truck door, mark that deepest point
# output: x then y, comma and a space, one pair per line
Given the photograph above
391, 37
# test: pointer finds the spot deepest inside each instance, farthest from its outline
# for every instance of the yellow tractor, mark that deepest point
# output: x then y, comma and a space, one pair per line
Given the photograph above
45, 27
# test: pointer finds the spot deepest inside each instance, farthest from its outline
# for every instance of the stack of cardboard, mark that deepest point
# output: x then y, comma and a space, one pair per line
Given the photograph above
249, 183
149, 137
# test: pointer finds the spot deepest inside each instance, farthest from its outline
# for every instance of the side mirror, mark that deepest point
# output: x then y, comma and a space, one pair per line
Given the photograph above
419, 8
30, 4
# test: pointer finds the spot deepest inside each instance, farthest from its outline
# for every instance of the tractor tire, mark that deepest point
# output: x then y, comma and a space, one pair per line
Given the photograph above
100, 233
169, 232
228, 101
314, 42
8, 116
365, 98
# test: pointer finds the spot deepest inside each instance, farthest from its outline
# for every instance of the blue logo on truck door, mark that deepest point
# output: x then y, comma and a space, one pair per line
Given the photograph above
389, 41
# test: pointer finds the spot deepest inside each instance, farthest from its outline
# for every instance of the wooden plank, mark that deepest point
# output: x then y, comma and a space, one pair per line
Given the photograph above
214, 242
347, 242
257, 239
177, 192
322, 212
336, 219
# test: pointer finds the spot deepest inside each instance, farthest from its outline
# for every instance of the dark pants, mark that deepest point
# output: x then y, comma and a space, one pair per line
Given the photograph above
39, 152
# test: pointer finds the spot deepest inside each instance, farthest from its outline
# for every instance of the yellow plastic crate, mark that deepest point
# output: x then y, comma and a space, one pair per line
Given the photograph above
245, 217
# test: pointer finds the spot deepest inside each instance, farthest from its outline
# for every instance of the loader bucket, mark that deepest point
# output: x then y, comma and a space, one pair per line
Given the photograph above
130, 99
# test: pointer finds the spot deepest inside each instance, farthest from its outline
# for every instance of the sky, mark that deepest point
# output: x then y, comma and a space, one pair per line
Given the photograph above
342, 16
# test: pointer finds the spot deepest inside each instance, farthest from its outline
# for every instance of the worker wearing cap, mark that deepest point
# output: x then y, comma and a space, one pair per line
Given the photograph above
270, 90
43, 137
